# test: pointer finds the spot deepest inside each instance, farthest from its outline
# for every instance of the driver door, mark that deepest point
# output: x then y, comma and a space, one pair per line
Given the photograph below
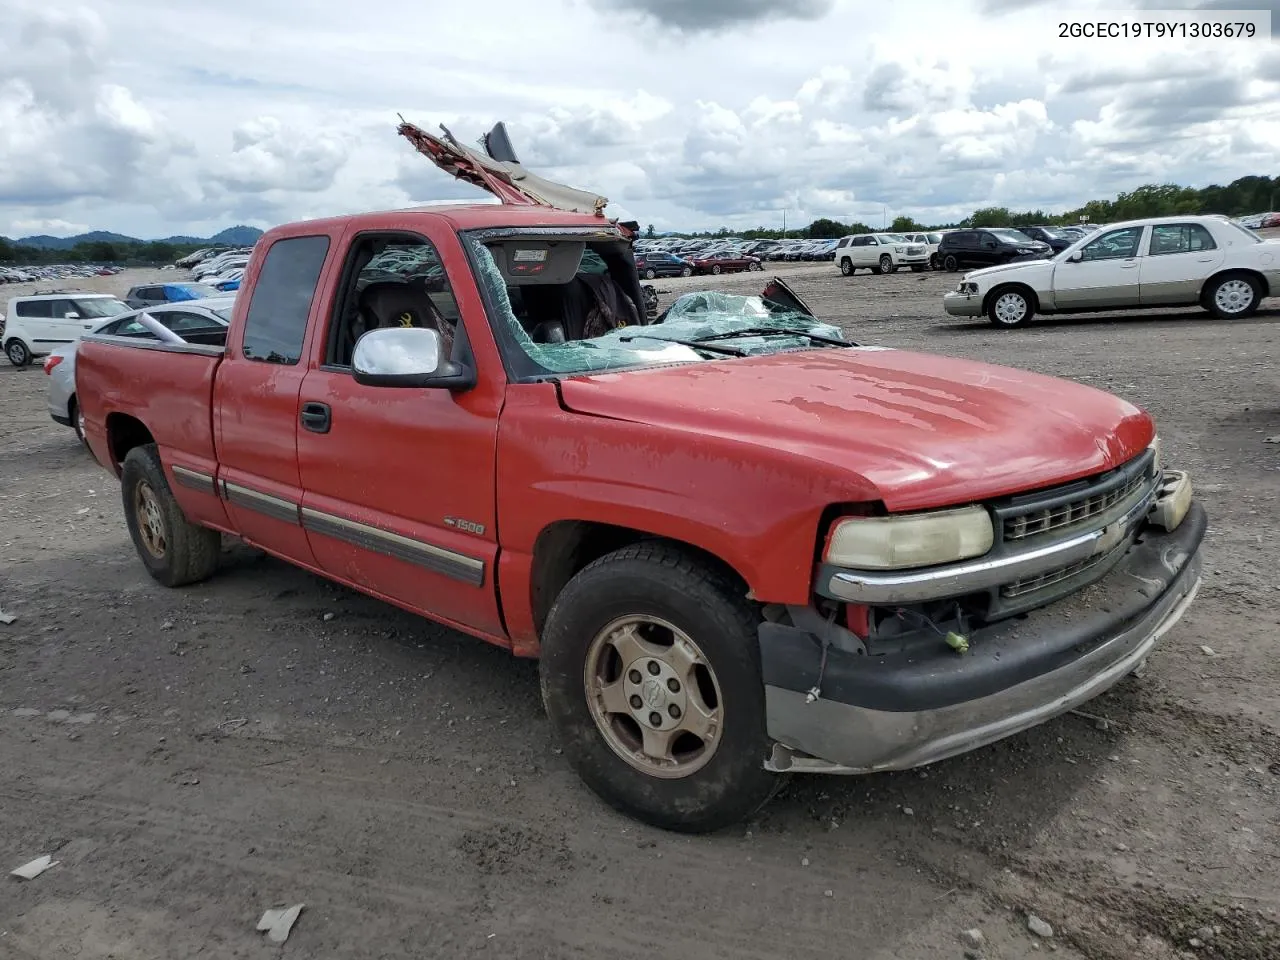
399, 482
1107, 275
866, 251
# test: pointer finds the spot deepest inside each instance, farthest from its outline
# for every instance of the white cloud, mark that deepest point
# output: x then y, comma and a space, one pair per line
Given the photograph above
138, 116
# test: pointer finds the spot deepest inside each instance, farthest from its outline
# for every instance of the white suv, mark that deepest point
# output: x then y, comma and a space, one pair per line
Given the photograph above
36, 325
880, 253
930, 240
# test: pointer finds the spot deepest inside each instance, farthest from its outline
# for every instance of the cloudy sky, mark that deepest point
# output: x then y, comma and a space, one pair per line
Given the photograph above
155, 117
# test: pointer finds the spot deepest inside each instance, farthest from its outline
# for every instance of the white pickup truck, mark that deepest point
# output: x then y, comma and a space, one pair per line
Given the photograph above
38, 324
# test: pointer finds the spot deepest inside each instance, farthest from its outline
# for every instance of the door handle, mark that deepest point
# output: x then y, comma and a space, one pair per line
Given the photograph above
1205, 260
316, 417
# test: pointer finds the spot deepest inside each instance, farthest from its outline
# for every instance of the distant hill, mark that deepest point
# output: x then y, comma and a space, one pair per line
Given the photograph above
237, 236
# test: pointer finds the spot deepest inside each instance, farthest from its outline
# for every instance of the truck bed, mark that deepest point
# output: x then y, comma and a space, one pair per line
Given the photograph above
167, 387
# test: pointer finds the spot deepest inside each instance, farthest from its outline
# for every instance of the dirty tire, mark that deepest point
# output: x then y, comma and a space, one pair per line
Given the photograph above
650, 274
1010, 306
17, 353
190, 552
661, 581
951, 264
77, 419
846, 267
1232, 296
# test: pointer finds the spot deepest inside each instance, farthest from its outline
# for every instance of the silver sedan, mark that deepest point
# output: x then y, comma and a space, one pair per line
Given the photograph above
185, 317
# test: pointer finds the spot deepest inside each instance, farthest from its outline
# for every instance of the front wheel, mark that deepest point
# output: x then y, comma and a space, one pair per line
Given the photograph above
686, 272
650, 674
886, 264
716, 268
950, 263
1010, 307
17, 352
1232, 296
933, 262
650, 274
174, 550
754, 266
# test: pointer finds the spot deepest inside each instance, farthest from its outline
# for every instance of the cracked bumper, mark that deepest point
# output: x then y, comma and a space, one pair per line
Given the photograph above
887, 713
962, 304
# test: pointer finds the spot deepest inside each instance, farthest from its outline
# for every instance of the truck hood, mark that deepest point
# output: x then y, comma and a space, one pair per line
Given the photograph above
925, 431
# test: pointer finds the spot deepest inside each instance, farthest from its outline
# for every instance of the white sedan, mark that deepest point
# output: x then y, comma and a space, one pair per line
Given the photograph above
1206, 261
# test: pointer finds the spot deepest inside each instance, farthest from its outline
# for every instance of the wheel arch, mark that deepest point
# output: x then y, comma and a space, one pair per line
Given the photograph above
565, 547
1256, 275
124, 432
1018, 285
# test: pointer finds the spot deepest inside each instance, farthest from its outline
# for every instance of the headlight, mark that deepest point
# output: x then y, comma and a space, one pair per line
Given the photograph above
911, 540
897, 249
968, 286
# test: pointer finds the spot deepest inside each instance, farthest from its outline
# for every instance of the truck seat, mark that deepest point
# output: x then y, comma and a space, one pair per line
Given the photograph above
390, 304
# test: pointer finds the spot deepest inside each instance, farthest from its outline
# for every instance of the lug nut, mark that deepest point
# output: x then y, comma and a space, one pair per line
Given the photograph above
674, 711
654, 668
673, 685
655, 718
634, 676
636, 702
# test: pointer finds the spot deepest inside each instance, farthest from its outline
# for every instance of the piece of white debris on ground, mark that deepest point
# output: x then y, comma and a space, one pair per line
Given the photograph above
7, 618
278, 921
29, 871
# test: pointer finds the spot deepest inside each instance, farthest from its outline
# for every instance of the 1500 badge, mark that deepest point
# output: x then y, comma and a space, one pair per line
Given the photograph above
466, 526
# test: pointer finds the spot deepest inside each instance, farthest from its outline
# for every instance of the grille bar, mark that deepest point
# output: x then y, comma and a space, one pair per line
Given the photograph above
1067, 515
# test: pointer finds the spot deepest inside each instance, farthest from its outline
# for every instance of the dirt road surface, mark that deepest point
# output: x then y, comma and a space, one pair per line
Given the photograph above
194, 757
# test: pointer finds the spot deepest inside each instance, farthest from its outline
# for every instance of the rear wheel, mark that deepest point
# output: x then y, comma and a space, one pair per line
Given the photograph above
650, 274
754, 266
17, 352
1232, 296
686, 272
846, 267
715, 268
77, 419
174, 550
1010, 307
650, 673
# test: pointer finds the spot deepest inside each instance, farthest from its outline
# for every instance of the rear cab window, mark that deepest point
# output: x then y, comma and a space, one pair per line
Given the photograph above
276, 325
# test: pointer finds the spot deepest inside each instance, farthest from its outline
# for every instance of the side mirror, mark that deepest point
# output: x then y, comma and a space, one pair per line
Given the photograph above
71, 315
406, 357
1076, 256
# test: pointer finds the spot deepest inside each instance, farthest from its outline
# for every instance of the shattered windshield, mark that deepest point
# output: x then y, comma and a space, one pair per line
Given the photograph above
698, 328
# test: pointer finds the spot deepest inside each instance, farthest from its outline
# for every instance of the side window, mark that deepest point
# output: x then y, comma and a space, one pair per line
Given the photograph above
60, 308
872, 242
396, 281
180, 320
1114, 245
38, 309
1180, 238
148, 293
277, 320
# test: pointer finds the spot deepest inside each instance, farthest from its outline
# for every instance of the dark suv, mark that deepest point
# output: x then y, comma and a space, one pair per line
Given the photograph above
988, 247
1055, 238
659, 263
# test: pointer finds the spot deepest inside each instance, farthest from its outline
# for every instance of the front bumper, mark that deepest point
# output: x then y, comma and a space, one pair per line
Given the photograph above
962, 304
894, 712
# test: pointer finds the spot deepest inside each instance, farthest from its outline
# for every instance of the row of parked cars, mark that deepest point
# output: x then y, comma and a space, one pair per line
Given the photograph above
55, 271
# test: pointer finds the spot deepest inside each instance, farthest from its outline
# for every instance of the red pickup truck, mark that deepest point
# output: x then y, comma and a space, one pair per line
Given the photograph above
740, 544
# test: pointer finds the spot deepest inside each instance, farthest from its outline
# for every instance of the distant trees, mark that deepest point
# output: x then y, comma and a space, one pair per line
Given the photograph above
1253, 194
97, 251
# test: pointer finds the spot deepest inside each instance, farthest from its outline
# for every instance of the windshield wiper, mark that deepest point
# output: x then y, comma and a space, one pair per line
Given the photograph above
783, 331
694, 344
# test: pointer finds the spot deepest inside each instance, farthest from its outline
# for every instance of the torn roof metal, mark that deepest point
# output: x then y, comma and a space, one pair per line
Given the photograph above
507, 180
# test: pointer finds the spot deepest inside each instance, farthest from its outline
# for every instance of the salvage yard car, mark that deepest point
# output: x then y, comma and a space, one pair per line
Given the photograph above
37, 324
1206, 261
740, 544
880, 253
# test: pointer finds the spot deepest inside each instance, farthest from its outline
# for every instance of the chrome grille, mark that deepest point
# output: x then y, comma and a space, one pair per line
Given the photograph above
915, 249
1020, 588
1073, 512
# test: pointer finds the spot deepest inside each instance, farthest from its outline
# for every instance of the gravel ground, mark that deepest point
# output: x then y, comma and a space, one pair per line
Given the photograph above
194, 757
